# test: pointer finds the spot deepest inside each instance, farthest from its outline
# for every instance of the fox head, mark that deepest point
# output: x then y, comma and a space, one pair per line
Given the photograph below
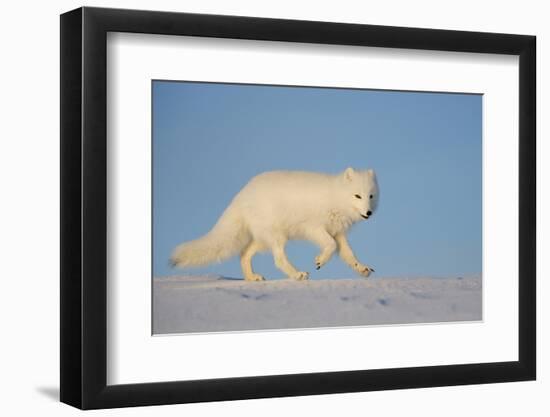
361, 191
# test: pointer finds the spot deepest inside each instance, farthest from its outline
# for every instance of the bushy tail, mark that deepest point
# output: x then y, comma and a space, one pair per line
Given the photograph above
226, 239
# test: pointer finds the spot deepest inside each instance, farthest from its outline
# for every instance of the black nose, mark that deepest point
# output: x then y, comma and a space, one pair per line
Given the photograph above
369, 213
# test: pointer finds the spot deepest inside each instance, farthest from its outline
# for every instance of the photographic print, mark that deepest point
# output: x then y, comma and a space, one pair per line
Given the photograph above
323, 186
296, 207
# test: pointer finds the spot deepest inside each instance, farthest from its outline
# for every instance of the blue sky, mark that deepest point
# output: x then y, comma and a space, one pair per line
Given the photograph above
209, 139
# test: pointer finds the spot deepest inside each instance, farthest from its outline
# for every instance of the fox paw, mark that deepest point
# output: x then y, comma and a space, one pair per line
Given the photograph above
363, 270
322, 259
300, 276
319, 262
254, 277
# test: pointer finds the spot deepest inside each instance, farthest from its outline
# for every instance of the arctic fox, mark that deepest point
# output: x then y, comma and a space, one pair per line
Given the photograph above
278, 206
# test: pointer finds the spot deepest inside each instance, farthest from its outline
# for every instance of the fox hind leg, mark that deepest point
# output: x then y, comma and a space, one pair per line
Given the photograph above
282, 262
246, 262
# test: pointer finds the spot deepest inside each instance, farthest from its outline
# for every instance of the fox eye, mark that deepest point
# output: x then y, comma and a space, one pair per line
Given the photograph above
357, 196
370, 196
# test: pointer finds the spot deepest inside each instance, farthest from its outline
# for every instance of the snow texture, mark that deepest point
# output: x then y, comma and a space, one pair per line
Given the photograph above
192, 304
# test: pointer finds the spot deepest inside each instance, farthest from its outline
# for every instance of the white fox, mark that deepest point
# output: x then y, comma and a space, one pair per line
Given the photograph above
278, 206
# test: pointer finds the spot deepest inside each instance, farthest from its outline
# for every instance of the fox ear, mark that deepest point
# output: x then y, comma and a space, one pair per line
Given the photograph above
349, 173
371, 173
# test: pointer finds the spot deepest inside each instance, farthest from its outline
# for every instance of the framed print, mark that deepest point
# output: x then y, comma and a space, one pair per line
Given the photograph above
259, 207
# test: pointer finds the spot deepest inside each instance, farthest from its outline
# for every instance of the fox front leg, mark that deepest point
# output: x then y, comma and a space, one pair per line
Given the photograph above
348, 257
326, 243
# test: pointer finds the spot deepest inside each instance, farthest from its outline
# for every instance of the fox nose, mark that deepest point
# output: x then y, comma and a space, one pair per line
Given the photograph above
369, 213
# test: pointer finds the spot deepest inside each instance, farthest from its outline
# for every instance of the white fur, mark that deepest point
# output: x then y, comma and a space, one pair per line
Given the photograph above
278, 206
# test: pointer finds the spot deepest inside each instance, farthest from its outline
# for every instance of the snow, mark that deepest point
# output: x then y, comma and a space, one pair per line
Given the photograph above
191, 304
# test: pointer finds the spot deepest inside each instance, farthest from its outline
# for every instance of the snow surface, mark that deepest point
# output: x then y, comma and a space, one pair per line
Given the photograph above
190, 304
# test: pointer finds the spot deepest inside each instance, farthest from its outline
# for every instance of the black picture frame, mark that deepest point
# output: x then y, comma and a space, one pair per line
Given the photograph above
84, 207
